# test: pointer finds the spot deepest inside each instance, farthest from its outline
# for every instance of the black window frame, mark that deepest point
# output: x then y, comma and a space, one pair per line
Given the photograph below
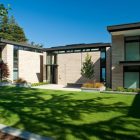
133, 40
103, 65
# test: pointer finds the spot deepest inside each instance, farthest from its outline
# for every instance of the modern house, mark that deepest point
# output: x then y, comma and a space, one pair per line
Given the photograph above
125, 53
23, 60
64, 63
116, 64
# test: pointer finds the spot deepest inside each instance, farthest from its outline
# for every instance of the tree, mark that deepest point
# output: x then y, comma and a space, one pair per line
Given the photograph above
16, 31
9, 29
87, 70
3, 10
4, 71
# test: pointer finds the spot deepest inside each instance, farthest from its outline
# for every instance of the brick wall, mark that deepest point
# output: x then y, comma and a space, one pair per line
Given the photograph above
108, 67
70, 64
31, 66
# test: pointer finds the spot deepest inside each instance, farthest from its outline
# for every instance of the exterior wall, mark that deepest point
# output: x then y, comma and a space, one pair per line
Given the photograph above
31, 66
7, 57
117, 55
108, 67
70, 64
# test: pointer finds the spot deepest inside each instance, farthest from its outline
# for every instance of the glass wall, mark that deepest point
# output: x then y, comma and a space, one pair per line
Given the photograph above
132, 77
103, 65
51, 67
132, 49
15, 65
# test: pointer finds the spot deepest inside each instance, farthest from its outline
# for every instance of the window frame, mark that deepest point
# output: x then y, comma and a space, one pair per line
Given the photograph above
128, 41
126, 69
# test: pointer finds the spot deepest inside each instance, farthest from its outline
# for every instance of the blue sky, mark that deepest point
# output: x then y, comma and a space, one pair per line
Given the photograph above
61, 22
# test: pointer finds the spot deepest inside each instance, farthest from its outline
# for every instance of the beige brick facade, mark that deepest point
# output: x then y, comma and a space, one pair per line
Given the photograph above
70, 64
117, 56
31, 66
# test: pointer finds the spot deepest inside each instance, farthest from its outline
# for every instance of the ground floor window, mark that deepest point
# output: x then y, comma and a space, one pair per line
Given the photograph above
132, 77
15, 74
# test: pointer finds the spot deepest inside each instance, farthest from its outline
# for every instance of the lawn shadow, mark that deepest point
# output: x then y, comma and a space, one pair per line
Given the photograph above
61, 115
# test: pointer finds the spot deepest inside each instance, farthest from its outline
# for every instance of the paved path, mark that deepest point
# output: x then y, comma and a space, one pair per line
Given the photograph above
57, 87
21, 134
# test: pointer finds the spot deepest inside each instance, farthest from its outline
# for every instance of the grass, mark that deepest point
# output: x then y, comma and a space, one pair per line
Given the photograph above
71, 115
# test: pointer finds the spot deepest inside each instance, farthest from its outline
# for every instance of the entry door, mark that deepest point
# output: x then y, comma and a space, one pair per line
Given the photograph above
54, 74
51, 74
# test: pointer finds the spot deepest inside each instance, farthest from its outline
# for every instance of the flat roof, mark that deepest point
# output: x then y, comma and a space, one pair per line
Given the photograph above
78, 46
19, 44
123, 27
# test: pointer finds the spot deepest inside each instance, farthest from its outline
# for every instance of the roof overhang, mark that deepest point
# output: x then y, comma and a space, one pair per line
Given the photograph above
125, 29
78, 46
4, 42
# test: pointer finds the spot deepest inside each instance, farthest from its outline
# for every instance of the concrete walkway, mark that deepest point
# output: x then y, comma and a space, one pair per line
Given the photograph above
21, 134
57, 87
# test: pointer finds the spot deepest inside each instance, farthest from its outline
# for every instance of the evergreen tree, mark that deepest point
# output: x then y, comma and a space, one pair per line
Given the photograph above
9, 29
3, 10
87, 70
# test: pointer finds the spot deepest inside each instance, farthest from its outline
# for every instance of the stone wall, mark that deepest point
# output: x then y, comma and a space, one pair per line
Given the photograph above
117, 56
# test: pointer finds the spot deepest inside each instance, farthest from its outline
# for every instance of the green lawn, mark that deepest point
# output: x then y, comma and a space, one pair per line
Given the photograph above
71, 115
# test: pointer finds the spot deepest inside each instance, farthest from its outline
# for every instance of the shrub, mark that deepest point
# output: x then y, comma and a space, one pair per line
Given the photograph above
6, 80
4, 71
93, 85
128, 89
109, 89
39, 84
120, 89
20, 81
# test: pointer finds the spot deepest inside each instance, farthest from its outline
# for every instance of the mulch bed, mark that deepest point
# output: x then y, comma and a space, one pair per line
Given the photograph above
4, 136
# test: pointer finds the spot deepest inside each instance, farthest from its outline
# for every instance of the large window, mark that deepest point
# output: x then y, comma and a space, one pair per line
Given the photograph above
103, 65
132, 77
15, 69
132, 49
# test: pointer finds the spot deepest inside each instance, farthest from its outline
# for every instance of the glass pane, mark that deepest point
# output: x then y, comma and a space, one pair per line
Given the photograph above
103, 74
48, 74
102, 55
132, 51
15, 74
131, 80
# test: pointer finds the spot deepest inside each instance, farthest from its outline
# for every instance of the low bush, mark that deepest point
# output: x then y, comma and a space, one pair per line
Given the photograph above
120, 89
93, 85
39, 84
20, 81
127, 89
109, 89
6, 81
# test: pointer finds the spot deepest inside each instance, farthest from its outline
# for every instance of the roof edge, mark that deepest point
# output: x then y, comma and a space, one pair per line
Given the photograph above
78, 46
123, 27
19, 44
